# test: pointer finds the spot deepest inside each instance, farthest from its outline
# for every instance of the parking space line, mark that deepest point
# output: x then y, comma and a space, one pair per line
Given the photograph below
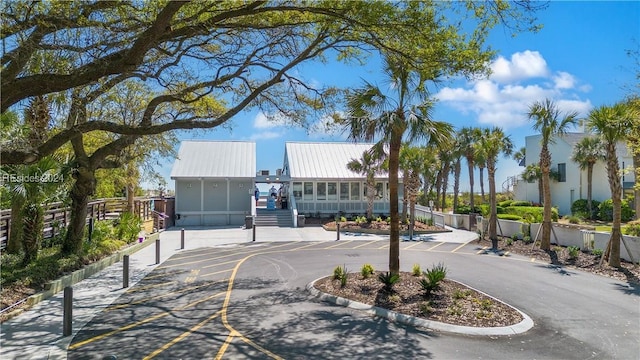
459, 247
143, 300
338, 244
215, 273
412, 245
365, 244
435, 246
482, 250
151, 286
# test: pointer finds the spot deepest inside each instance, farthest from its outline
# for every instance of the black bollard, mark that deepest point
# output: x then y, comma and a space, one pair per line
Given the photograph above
182, 238
254, 232
67, 316
157, 251
125, 271
337, 231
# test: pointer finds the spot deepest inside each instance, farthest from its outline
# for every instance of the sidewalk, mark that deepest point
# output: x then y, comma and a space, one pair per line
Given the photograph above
37, 333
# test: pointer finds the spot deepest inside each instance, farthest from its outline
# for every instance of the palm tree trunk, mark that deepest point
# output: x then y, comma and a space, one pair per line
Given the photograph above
493, 213
14, 242
482, 184
438, 187
405, 200
33, 224
589, 190
371, 188
456, 184
394, 231
545, 168
616, 197
471, 200
83, 188
636, 191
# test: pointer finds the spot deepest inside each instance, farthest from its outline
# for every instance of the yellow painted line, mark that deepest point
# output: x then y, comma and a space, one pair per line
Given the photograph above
305, 246
260, 348
151, 286
181, 337
412, 245
365, 244
225, 345
386, 246
143, 300
482, 250
202, 253
160, 275
238, 253
215, 273
435, 246
219, 264
141, 322
338, 244
458, 248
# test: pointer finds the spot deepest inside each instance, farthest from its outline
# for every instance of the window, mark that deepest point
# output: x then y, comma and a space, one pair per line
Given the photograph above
355, 191
321, 191
297, 190
308, 191
344, 191
332, 191
562, 172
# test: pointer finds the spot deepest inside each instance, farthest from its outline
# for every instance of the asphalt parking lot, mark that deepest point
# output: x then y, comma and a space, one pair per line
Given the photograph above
248, 300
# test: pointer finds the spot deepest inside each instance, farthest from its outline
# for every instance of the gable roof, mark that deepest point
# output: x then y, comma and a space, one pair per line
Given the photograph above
323, 160
215, 159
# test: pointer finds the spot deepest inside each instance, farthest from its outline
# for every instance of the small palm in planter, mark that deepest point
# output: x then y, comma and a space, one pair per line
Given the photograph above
432, 279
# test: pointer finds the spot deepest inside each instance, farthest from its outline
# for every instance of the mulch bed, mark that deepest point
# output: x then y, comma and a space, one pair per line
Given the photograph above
453, 303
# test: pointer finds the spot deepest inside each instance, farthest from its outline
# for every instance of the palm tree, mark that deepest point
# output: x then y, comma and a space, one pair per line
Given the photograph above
586, 154
372, 112
633, 142
457, 156
468, 136
551, 123
532, 173
494, 142
368, 165
414, 160
445, 158
481, 161
520, 155
612, 124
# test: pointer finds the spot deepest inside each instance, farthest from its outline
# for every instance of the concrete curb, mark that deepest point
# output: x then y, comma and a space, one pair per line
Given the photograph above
519, 328
386, 232
55, 286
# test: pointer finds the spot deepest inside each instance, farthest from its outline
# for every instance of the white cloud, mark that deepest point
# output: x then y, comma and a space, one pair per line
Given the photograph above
502, 101
523, 65
265, 135
564, 80
264, 121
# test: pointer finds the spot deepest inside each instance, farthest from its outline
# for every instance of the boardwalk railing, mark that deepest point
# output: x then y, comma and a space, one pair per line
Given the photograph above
57, 216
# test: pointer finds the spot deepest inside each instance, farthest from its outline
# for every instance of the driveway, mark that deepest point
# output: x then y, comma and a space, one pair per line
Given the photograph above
249, 301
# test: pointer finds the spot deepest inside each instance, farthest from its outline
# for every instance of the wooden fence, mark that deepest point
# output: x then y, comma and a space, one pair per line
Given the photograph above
57, 217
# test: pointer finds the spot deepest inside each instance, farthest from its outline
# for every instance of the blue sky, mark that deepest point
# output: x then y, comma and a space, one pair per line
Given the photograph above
578, 59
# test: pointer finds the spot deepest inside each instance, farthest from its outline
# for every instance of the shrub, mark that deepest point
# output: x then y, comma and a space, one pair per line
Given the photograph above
527, 239
425, 308
505, 203
633, 228
461, 294
509, 217
432, 278
366, 271
416, 270
344, 277
573, 252
520, 203
388, 280
573, 219
597, 252
500, 210
338, 272
606, 210
466, 209
509, 241
361, 220
128, 227
531, 214
580, 208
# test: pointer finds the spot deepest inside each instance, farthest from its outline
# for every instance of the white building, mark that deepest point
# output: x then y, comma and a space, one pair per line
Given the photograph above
320, 181
214, 182
572, 184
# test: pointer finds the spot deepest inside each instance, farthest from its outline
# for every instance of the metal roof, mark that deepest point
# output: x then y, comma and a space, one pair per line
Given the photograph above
314, 160
215, 159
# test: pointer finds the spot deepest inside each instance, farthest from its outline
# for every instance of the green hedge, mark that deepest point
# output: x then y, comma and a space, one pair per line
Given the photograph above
505, 203
509, 217
606, 211
520, 203
532, 214
580, 209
